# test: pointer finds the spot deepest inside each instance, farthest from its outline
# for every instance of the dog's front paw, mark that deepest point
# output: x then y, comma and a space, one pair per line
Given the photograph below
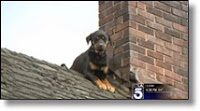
109, 86
101, 85
111, 89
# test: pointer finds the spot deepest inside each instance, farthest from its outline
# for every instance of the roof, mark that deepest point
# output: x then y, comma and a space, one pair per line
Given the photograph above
25, 77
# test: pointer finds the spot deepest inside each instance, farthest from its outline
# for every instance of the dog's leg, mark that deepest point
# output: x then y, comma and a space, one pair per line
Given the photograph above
100, 84
110, 87
96, 80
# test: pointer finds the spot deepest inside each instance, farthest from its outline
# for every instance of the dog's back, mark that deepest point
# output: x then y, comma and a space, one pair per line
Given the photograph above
80, 63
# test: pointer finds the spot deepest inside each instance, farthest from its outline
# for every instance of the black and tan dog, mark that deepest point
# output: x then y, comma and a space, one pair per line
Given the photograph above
94, 62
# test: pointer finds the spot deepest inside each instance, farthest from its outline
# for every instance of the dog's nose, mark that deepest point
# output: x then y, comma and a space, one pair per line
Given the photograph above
100, 45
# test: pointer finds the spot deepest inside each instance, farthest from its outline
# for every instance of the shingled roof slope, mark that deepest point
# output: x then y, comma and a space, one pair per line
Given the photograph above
25, 77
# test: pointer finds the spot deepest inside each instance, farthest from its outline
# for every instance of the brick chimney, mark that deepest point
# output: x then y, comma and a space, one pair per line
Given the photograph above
151, 39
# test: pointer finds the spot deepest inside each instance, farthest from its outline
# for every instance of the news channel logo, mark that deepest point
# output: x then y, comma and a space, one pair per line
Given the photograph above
150, 91
138, 91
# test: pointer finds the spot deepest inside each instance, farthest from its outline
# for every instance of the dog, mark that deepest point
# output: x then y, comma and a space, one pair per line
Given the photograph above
94, 63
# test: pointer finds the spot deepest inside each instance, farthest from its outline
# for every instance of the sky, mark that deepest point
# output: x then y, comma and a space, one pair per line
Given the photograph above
50, 31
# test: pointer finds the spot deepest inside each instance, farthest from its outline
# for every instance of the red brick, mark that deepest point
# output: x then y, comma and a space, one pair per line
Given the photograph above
155, 25
104, 6
146, 15
172, 18
184, 37
125, 73
163, 36
126, 47
133, 24
132, 10
146, 59
184, 22
164, 79
179, 13
132, 39
172, 61
184, 7
163, 22
162, 6
145, 29
155, 40
134, 54
137, 33
125, 32
118, 20
184, 65
180, 42
137, 48
163, 65
180, 57
154, 11
125, 62
175, 4
118, 50
173, 75
109, 25
116, 36
106, 19
172, 32
180, 71
155, 69
117, 2
108, 11
141, 5
122, 26
110, 31
184, 2
102, 15
126, 17
150, 3
154, 55
146, 76
180, 86
121, 12
101, 2
116, 7
138, 19
180, 27
138, 63
122, 41
185, 80
164, 50
124, 3
146, 44
132, 3
172, 47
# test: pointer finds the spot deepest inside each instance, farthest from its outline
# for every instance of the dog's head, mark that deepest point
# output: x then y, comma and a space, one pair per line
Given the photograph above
99, 40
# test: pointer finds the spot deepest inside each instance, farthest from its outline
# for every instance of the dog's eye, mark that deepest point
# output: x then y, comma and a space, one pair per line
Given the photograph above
97, 38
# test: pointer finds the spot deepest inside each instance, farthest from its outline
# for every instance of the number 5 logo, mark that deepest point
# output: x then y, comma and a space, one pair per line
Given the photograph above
138, 92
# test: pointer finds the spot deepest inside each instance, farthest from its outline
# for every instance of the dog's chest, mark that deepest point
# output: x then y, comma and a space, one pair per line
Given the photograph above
98, 68
98, 62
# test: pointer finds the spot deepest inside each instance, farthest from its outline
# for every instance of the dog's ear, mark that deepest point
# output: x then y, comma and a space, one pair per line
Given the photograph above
88, 38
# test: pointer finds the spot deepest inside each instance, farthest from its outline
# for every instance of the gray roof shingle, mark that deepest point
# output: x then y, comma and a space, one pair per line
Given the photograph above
25, 77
